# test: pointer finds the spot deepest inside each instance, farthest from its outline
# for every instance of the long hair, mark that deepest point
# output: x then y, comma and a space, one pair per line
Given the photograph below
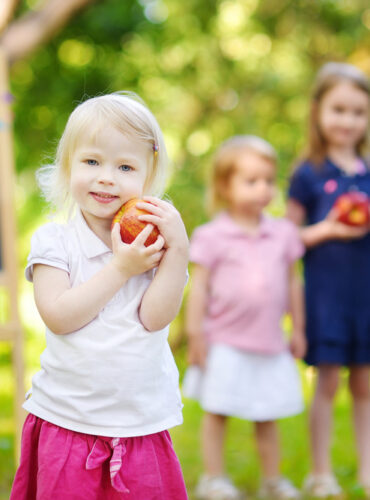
330, 75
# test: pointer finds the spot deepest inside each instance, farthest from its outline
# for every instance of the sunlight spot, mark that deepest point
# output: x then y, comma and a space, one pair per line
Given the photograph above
310, 373
173, 144
76, 53
199, 142
233, 15
261, 44
156, 12
234, 48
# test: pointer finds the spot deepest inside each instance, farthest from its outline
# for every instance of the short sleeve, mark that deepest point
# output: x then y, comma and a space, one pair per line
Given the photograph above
294, 245
301, 186
204, 246
47, 247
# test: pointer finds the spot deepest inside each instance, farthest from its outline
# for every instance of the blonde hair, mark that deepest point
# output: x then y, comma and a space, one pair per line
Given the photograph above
224, 163
128, 114
330, 75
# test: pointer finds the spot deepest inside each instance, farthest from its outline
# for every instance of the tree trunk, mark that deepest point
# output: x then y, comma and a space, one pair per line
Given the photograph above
7, 8
34, 28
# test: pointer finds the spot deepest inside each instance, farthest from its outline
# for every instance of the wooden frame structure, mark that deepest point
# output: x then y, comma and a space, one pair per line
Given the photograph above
10, 329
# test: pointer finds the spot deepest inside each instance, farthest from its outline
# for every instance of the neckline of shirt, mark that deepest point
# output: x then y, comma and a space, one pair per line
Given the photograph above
229, 226
359, 173
91, 244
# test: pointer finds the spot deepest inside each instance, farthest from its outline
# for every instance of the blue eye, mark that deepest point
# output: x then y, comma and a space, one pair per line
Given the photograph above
91, 162
125, 168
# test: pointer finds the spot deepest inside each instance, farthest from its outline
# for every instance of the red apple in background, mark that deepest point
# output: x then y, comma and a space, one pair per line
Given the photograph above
131, 226
352, 208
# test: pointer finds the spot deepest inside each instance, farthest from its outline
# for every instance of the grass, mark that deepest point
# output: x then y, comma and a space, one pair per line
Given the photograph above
241, 457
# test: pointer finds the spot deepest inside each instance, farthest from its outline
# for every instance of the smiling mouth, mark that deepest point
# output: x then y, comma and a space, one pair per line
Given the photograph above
104, 197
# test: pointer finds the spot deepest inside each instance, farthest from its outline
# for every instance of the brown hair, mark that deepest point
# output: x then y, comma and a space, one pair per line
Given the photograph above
330, 75
224, 165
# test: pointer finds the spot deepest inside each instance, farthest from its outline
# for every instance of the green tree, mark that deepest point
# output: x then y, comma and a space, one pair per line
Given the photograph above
208, 69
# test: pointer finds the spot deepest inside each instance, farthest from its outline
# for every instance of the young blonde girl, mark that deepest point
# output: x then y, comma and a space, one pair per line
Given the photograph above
242, 283
337, 265
107, 391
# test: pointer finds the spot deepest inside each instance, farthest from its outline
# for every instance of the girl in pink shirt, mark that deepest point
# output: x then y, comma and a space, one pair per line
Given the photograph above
243, 282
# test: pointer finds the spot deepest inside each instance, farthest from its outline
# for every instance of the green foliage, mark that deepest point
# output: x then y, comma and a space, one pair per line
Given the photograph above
208, 69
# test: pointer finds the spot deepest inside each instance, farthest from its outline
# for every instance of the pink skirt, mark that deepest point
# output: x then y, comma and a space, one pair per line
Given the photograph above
60, 464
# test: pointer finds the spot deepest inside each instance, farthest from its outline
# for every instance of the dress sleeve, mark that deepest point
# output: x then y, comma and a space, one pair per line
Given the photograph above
203, 247
301, 186
294, 245
47, 247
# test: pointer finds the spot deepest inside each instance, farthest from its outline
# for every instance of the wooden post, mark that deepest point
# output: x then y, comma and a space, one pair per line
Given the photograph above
11, 329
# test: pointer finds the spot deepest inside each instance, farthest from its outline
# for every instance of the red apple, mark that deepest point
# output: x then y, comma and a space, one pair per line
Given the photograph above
352, 208
131, 226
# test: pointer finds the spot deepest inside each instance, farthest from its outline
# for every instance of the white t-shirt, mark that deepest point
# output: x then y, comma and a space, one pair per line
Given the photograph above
111, 377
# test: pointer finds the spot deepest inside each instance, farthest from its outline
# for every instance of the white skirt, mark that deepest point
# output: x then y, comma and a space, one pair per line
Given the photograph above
257, 387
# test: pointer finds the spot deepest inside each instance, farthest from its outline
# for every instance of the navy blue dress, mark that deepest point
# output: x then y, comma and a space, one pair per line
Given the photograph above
337, 273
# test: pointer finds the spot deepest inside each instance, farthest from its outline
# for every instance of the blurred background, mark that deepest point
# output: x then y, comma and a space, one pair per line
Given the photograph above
207, 69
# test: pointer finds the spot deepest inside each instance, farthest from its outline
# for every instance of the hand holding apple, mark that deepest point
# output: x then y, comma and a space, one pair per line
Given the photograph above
352, 208
130, 224
168, 220
135, 258
348, 219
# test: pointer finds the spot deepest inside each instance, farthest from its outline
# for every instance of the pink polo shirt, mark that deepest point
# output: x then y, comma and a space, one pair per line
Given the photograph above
248, 289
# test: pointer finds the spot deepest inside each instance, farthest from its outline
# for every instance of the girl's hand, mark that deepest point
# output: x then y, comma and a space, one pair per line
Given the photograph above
298, 344
197, 350
340, 231
326, 230
167, 219
136, 258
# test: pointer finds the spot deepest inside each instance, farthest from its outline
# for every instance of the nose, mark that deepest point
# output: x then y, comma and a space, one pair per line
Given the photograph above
263, 187
105, 175
349, 120
264, 190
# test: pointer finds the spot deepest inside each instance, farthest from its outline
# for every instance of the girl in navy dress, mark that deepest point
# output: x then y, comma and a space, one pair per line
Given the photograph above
337, 263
